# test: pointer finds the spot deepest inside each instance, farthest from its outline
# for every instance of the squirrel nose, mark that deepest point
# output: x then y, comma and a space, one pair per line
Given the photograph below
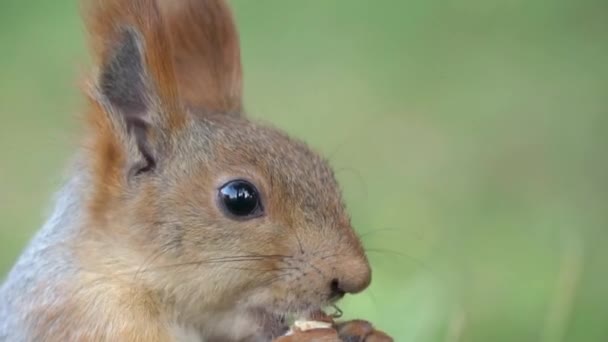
335, 291
355, 279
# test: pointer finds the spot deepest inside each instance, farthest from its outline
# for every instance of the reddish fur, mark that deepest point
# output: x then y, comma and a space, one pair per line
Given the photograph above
105, 19
132, 324
107, 158
170, 215
206, 54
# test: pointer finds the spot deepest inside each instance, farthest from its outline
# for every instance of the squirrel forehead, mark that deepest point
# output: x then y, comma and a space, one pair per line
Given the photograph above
274, 153
236, 141
285, 164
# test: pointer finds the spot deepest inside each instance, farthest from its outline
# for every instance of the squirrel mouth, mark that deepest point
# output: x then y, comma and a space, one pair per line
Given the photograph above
275, 324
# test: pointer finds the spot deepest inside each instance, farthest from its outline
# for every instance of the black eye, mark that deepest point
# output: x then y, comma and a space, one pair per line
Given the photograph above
240, 199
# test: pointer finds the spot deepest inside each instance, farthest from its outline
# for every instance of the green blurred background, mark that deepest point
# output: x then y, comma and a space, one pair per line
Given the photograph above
470, 137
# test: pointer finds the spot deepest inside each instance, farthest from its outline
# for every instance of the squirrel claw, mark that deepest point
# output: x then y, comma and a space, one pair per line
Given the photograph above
351, 331
360, 331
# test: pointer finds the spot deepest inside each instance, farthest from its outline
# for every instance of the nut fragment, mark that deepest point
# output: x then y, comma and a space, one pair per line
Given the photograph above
316, 320
316, 335
304, 325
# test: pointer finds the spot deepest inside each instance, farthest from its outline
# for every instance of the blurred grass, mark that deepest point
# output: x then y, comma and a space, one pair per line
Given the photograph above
469, 136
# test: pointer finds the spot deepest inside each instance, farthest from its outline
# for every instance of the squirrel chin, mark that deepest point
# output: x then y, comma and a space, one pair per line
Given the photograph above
271, 324
276, 323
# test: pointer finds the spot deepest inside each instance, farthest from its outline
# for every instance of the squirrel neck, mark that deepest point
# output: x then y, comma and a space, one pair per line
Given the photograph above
69, 203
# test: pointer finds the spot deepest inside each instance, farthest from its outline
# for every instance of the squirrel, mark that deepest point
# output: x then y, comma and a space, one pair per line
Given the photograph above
181, 219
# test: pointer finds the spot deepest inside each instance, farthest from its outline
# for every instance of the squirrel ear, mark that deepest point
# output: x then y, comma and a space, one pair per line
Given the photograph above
124, 91
121, 80
135, 87
206, 55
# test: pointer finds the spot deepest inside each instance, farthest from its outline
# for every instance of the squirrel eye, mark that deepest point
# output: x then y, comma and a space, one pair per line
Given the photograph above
240, 199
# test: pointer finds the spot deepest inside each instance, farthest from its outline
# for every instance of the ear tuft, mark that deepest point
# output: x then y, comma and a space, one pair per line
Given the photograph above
135, 96
130, 45
206, 54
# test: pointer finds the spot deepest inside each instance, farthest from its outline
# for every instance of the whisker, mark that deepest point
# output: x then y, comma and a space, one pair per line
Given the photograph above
263, 270
149, 261
272, 280
273, 255
328, 256
372, 297
218, 260
317, 269
394, 253
295, 231
375, 231
358, 176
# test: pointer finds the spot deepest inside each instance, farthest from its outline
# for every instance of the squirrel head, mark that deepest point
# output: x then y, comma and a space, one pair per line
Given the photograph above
194, 201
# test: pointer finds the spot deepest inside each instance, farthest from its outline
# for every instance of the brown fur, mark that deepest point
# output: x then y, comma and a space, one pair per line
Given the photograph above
106, 18
151, 252
206, 57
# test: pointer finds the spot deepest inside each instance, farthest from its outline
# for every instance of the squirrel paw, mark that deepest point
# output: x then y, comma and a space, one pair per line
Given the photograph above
360, 331
351, 331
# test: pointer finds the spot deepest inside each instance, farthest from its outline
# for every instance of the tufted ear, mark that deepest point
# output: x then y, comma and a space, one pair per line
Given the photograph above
122, 81
206, 55
134, 88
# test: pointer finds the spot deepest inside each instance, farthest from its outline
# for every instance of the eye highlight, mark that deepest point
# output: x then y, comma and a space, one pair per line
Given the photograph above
240, 199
